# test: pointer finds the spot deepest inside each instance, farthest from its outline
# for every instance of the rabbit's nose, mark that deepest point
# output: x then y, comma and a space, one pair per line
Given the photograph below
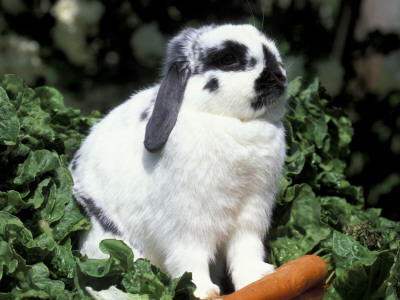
281, 77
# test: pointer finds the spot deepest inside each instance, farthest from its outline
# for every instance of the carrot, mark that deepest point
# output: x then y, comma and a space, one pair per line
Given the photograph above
313, 293
289, 280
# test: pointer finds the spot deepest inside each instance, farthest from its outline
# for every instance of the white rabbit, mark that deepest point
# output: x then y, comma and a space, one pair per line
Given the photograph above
185, 171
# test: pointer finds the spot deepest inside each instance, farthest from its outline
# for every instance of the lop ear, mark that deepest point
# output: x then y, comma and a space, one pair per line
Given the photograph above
167, 105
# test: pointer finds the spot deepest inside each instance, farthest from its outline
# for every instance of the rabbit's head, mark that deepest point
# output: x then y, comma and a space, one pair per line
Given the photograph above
229, 70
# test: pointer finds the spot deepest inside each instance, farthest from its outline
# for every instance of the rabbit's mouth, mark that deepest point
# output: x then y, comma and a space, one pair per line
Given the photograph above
269, 89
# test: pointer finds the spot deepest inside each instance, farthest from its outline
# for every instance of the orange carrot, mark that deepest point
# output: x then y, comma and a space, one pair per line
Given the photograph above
288, 281
314, 293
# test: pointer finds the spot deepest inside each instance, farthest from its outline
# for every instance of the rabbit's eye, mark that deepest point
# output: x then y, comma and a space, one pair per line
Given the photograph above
228, 60
230, 56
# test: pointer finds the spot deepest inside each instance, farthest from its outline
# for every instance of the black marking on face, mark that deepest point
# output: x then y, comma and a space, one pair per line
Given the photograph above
252, 63
212, 85
96, 212
271, 84
231, 56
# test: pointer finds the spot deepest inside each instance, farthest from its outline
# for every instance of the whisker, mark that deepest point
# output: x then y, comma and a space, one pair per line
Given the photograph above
263, 15
252, 13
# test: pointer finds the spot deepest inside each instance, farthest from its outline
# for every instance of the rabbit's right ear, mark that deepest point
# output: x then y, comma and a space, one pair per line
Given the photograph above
167, 105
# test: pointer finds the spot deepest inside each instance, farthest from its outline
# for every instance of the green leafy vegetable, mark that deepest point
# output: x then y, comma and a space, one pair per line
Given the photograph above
318, 210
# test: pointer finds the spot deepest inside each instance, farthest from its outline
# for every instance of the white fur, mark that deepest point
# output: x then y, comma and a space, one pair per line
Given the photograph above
209, 192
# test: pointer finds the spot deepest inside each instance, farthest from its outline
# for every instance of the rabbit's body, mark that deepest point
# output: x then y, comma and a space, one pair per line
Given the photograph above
208, 190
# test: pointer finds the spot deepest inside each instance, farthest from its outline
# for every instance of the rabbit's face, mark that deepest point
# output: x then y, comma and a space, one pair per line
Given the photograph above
229, 70
236, 71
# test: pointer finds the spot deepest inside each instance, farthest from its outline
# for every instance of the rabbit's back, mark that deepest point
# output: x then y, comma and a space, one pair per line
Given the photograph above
110, 171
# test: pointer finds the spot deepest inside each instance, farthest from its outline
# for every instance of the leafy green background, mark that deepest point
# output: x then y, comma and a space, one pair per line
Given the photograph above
318, 210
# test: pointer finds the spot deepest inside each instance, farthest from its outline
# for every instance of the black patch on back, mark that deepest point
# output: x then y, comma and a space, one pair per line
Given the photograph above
74, 162
96, 212
212, 85
270, 85
216, 58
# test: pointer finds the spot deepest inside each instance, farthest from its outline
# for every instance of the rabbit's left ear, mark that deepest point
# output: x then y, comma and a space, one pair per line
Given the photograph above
167, 105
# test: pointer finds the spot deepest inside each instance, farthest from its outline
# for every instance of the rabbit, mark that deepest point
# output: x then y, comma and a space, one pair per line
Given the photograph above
185, 172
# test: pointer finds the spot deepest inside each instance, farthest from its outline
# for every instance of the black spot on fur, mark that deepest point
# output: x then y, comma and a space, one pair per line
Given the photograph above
74, 162
231, 56
252, 63
96, 212
271, 84
144, 115
212, 85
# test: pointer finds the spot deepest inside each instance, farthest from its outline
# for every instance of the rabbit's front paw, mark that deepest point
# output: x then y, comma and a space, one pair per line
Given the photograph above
251, 273
206, 291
